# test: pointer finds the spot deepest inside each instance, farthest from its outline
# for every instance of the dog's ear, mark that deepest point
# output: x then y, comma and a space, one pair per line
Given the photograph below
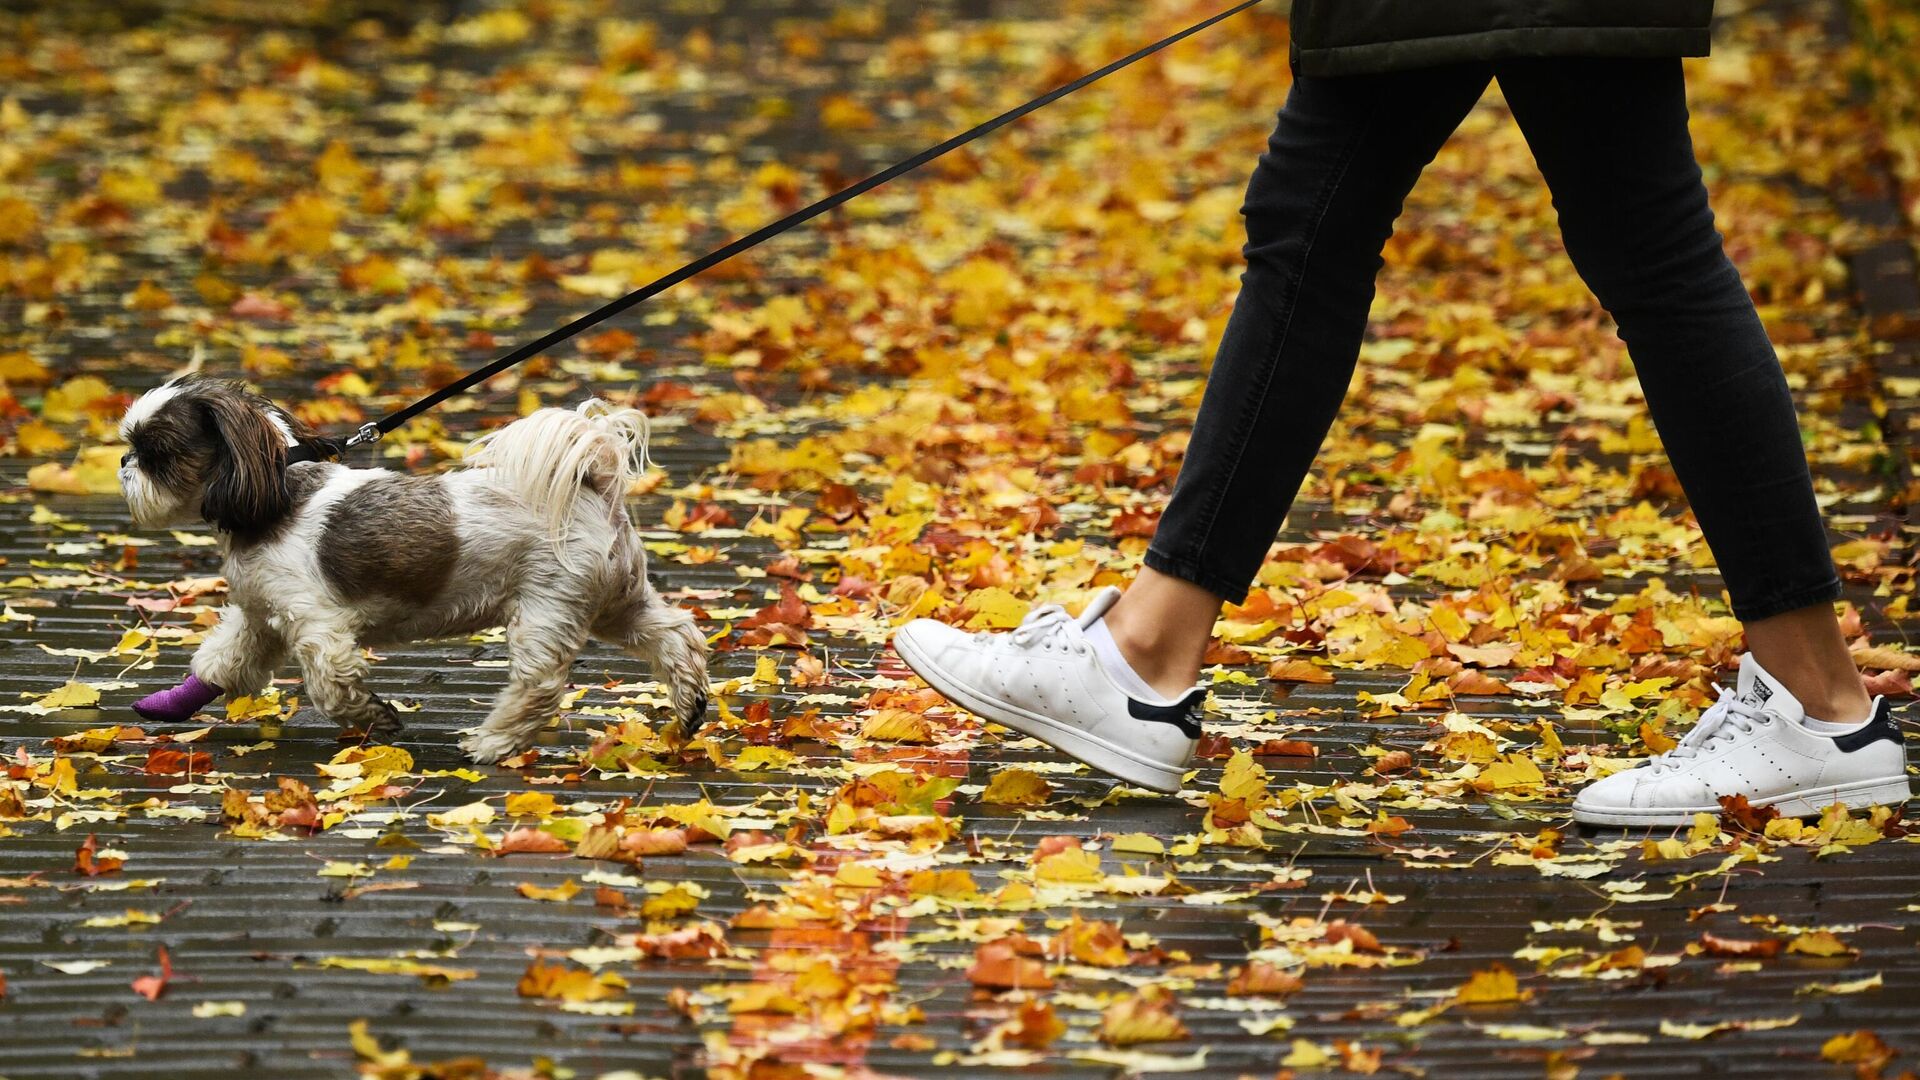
246, 490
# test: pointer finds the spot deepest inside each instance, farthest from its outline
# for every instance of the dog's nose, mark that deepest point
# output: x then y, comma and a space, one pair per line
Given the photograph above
125, 458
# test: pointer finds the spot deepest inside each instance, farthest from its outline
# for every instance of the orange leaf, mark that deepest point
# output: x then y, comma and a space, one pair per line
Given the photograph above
530, 840
1260, 977
1298, 671
997, 966
152, 986
1145, 1017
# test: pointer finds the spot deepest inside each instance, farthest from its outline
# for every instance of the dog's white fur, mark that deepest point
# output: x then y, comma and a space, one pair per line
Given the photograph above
534, 522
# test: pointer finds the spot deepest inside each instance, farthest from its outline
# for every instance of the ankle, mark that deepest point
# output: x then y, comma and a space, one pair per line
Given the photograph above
1840, 707
1167, 662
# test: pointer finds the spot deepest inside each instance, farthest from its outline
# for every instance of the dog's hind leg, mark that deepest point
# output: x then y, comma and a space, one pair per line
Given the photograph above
669, 640
336, 675
544, 639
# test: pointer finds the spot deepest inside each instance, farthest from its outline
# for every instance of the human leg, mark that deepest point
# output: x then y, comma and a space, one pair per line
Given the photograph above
1611, 138
1319, 207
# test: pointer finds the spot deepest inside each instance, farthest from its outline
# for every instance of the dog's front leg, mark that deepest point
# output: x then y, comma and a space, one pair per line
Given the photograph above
669, 640
543, 641
240, 653
336, 675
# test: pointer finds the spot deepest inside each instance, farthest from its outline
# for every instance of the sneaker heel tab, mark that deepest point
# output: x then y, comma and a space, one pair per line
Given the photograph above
1880, 726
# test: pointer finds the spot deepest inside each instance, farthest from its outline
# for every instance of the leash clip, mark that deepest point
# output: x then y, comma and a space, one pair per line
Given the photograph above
368, 433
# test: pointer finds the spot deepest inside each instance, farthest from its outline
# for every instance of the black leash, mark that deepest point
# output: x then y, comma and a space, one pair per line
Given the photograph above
372, 432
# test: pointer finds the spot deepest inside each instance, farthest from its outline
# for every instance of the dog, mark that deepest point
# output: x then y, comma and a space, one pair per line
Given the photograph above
531, 532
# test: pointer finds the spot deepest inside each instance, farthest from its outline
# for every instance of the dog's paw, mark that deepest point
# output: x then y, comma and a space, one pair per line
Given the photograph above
686, 722
385, 723
490, 747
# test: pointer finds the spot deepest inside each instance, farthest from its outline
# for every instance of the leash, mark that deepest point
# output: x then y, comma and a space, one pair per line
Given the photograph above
372, 432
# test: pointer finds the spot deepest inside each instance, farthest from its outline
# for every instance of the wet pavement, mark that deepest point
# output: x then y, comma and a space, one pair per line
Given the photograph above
258, 922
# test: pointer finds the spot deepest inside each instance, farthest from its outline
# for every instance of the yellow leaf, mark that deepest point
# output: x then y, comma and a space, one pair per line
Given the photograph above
39, 440
897, 725
473, 813
1071, 866
1306, 1055
21, 367
992, 609
1820, 943
537, 803
1494, 985
1244, 778
365, 1045
70, 696
68, 402
558, 894
1016, 787
1510, 772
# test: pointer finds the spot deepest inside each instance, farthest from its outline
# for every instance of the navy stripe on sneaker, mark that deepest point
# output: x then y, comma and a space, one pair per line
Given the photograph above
1183, 714
1881, 726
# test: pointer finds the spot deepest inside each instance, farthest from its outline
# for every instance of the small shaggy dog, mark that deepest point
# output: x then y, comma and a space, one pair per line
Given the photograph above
531, 533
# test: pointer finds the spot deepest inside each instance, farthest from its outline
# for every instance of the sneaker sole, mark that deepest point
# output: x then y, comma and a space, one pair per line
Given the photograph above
1115, 761
1890, 791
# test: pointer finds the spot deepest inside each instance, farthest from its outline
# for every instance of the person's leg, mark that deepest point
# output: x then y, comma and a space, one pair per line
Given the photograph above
1318, 209
1610, 136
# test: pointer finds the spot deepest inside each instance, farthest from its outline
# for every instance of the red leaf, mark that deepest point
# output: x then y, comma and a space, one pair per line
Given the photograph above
152, 986
162, 761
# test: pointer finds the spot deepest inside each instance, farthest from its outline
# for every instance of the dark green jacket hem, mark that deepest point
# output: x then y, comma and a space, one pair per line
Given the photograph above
1512, 42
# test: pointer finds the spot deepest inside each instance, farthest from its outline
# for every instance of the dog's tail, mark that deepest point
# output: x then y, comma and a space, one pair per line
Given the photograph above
554, 456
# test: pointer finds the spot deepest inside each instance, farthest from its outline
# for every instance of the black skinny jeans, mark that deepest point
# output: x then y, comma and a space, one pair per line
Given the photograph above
1610, 137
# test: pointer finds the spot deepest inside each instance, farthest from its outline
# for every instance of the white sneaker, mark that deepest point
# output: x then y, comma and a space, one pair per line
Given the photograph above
1757, 741
1043, 679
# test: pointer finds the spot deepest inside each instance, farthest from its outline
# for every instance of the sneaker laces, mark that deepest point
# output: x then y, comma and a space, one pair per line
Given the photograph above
1048, 626
1724, 719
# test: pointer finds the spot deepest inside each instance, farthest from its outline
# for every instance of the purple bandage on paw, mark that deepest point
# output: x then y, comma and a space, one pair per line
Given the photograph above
177, 706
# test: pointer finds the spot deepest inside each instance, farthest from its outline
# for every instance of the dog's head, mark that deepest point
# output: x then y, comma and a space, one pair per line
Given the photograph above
207, 446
